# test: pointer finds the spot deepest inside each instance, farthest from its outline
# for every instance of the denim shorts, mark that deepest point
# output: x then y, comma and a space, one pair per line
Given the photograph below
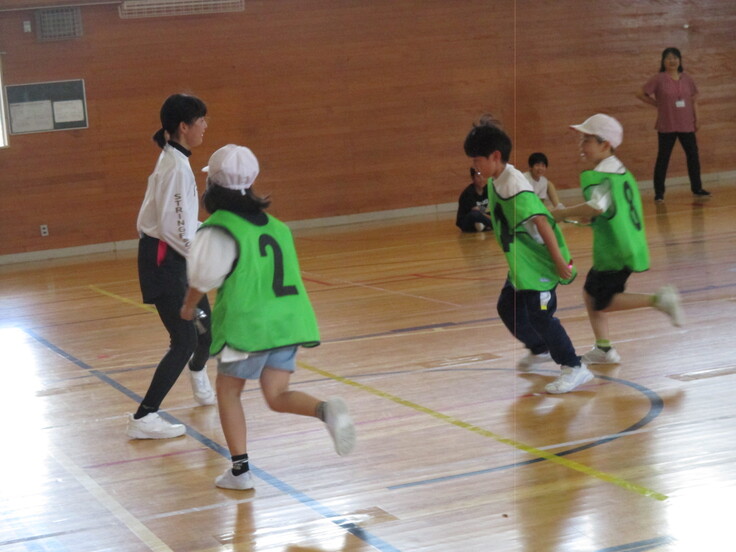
251, 367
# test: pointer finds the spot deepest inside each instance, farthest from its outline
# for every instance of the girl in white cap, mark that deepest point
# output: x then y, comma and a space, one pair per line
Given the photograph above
613, 205
262, 313
167, 222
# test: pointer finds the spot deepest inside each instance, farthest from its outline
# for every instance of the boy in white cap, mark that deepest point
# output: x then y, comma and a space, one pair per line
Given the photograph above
262, 313
613, 205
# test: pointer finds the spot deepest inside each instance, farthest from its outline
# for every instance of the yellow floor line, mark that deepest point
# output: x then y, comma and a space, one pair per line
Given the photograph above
128, 519
571, 464
101, 291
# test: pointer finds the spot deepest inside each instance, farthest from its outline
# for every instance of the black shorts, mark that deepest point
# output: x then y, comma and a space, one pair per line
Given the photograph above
602, 286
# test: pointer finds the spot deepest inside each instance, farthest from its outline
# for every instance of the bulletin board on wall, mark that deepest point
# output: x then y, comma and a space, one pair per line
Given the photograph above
46, 106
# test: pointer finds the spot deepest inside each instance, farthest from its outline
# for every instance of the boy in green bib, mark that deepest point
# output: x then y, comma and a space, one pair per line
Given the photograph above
613, 205
537, 256
262, 313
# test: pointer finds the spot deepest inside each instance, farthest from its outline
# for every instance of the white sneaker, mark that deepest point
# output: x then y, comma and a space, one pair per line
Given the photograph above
667, 300
531, 359
340, 425
241, 482
598, 356
153, 426
201, 387
479, 226
570, 379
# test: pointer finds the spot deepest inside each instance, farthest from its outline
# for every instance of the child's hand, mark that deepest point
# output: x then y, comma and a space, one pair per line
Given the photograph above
564, 269
187, 313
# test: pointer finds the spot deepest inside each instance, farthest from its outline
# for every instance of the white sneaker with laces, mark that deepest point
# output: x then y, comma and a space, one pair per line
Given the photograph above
571, 378
598, 356
667, 300
340, 425
531, 359
201, 387
153, 426
241, 482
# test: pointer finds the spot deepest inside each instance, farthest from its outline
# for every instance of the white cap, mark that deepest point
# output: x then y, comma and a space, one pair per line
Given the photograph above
233, 167
603, 126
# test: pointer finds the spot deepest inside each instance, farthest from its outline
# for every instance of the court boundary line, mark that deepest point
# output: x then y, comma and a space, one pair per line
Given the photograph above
340, 520
541, 454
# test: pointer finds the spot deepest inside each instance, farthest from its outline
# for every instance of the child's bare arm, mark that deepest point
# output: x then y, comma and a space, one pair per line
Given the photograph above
191, 300
564, 269
552, 194
581, 210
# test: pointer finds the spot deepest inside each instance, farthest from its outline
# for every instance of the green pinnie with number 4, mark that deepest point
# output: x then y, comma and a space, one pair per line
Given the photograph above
530, 265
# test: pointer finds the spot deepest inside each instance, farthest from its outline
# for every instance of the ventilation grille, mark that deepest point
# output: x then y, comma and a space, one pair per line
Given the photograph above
131, 9
58, 24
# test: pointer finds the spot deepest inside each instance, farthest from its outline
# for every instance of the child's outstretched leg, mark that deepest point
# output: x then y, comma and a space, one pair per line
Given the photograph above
232, 418
334, 412
666, 300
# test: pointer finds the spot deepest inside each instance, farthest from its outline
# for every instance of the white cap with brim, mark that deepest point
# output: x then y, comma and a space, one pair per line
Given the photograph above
603, 126
233, 167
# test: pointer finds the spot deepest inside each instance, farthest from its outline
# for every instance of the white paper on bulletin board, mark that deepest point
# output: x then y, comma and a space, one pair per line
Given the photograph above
31, 116
68, 111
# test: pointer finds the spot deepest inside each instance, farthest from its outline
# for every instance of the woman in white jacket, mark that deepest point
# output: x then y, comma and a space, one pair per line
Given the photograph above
167, 222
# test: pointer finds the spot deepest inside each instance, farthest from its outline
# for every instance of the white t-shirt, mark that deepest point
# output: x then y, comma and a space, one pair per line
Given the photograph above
210, 260
540, 186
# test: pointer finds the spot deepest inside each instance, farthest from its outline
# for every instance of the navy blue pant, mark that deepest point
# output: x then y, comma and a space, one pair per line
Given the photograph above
666, 143
529, 316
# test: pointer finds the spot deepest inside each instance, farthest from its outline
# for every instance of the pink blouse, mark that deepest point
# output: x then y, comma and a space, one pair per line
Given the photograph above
675, 107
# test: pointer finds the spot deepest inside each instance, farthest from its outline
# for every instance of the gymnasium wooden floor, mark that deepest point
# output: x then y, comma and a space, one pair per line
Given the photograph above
457, 450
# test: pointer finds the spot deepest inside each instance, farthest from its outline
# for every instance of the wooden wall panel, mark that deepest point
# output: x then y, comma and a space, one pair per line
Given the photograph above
351, 106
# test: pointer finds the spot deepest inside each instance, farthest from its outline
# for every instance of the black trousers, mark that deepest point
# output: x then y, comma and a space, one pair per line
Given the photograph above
185, 345
163, 279
666, 143
467, 224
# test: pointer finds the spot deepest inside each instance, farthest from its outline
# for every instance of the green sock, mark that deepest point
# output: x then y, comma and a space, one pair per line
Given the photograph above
603, 344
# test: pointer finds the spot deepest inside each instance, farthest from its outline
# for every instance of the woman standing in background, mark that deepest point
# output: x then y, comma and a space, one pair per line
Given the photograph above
674, 94
167, 222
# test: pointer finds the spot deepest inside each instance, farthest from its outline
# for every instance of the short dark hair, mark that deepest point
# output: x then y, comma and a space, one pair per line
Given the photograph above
538, 157
178, 108
216, 197
665, 53
486, 138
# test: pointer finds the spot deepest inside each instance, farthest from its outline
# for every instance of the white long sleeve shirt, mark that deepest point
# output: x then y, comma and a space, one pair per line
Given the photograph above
171, 204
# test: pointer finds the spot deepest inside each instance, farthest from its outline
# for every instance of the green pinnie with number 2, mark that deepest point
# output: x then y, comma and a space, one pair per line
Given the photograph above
262, 304
619, 236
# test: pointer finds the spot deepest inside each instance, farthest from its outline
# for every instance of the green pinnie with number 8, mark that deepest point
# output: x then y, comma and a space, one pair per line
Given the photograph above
613, 204
262, 313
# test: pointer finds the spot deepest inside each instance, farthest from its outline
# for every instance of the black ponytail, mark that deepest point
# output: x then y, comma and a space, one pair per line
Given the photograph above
177, 109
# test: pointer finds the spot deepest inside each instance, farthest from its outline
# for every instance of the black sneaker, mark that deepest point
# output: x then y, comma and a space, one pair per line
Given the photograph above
701, 192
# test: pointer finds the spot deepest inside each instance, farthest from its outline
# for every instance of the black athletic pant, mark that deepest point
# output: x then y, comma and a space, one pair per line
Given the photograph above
666, 143
185, 344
